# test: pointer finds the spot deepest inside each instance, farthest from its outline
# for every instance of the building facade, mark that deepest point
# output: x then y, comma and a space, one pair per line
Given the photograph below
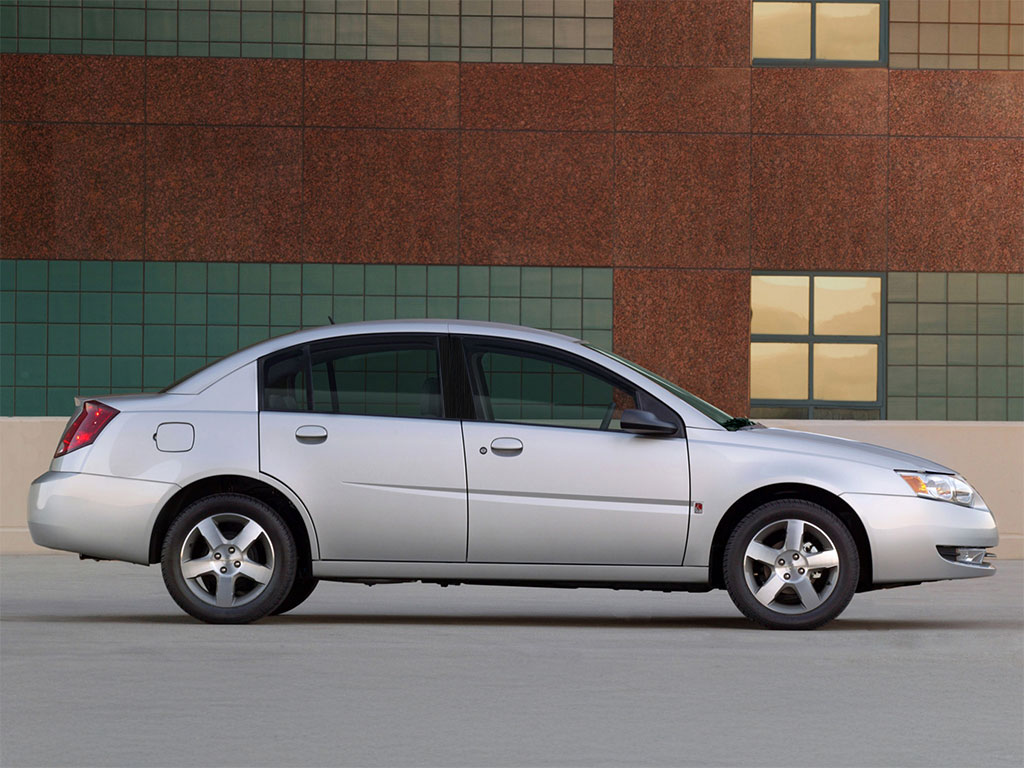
794, 209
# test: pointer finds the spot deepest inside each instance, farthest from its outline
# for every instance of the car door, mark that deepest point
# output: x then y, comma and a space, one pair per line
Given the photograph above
552, 477
357, 428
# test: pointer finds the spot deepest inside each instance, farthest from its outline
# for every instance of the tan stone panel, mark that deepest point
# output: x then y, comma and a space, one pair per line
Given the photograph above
964, 11
934, 61
1017, 11
993, 62
995, 11
1017, 62
904, 10
903, 61
1017, 40
963, 38
994, 39
903, 38
935, 38
935, 10
963, 61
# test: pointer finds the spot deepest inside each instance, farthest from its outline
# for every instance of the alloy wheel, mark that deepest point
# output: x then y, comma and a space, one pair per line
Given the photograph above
227, 560
791, 566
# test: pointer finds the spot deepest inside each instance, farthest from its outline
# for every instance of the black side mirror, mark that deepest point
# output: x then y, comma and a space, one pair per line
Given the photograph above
646, 423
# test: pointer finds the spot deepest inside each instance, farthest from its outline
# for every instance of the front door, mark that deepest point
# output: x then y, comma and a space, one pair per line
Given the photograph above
356, 428
552, 478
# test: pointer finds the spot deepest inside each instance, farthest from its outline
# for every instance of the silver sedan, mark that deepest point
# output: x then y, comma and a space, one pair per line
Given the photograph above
456, 452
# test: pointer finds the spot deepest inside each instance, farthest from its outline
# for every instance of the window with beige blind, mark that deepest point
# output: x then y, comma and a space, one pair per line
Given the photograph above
816, 345
818, 32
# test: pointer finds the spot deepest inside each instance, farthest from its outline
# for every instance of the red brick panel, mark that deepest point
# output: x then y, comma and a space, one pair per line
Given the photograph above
537, 198
223, 193
537, 96
381, 196
682, 200
226, 91
956, 204
691, 33
71, 88
818, 202
684, 99
691, 326
382, 94
956, 103
819, 100
71, 191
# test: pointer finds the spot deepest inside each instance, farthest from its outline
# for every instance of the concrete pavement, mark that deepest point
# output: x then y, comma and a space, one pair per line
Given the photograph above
99, 667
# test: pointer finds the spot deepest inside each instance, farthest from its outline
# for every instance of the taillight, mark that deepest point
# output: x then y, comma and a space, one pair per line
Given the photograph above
86, 427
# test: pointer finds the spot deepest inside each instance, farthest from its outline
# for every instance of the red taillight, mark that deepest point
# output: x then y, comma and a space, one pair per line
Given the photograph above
86, 427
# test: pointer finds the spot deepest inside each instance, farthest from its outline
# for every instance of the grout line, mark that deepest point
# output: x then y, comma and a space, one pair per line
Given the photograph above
276, 126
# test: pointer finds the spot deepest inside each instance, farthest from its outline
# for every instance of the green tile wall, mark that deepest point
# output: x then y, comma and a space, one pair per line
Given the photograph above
561, 31
955, 346
94, 327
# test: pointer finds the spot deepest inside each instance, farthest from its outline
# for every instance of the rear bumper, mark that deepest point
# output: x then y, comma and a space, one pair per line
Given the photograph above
104, 517
905, 532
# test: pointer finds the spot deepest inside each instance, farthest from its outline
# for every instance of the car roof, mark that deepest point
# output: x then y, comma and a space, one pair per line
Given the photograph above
203, 378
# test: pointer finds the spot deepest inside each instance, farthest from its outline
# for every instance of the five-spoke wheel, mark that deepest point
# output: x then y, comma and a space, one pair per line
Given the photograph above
229, 558
791, 564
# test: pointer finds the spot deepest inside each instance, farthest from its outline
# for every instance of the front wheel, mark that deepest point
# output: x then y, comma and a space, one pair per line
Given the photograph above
791, 564
229, 559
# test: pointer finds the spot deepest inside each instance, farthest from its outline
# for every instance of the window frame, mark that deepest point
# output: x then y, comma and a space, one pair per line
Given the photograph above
308, 349
813, 61
811, 338
468, 343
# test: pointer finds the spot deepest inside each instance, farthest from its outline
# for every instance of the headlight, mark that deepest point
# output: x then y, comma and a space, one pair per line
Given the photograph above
941, 487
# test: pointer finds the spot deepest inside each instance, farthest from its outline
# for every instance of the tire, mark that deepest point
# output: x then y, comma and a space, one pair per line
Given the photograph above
301, 589
770, 559
229, 559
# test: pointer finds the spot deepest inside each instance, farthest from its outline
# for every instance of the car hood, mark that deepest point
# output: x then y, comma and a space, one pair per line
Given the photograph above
810, 443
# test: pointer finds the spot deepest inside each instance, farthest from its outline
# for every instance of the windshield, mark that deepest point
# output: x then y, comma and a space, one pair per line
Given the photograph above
715, 414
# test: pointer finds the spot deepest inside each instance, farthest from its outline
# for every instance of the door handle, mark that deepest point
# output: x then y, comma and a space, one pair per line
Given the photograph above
509, 446
310, 433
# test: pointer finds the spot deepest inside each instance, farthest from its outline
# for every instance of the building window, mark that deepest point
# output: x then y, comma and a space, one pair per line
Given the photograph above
537, 31
818, 32
816, 346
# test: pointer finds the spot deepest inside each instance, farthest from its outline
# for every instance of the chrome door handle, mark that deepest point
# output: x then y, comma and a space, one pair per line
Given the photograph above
310, 433
509, 446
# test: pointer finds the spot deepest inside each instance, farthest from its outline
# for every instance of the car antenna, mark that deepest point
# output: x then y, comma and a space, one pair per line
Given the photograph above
331, 319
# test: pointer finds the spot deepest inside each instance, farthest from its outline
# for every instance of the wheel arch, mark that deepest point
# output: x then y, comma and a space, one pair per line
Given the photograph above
752, 500
305, 536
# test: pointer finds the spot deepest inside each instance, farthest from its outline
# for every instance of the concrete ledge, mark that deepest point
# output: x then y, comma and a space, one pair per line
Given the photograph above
26, 447
989, 454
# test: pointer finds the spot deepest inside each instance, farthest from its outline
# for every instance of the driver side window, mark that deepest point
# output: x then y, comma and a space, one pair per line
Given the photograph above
529, 387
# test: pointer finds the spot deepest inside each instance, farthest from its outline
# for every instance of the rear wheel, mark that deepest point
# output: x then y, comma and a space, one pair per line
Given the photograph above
301, 589
791, 564
229, 559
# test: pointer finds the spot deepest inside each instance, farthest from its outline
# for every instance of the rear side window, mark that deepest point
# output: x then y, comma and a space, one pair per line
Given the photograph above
399, 377
384, 379
284, 381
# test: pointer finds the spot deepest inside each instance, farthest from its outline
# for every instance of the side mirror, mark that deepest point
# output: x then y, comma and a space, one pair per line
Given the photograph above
646, 423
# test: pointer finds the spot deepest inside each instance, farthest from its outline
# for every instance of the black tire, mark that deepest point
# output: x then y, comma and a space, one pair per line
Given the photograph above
301, 589
272, 556
832, 587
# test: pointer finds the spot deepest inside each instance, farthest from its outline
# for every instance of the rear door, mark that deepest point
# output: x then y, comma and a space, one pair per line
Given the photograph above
357, 428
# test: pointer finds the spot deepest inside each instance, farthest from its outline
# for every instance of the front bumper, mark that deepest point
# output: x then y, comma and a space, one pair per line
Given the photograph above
110, 518
905, 533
